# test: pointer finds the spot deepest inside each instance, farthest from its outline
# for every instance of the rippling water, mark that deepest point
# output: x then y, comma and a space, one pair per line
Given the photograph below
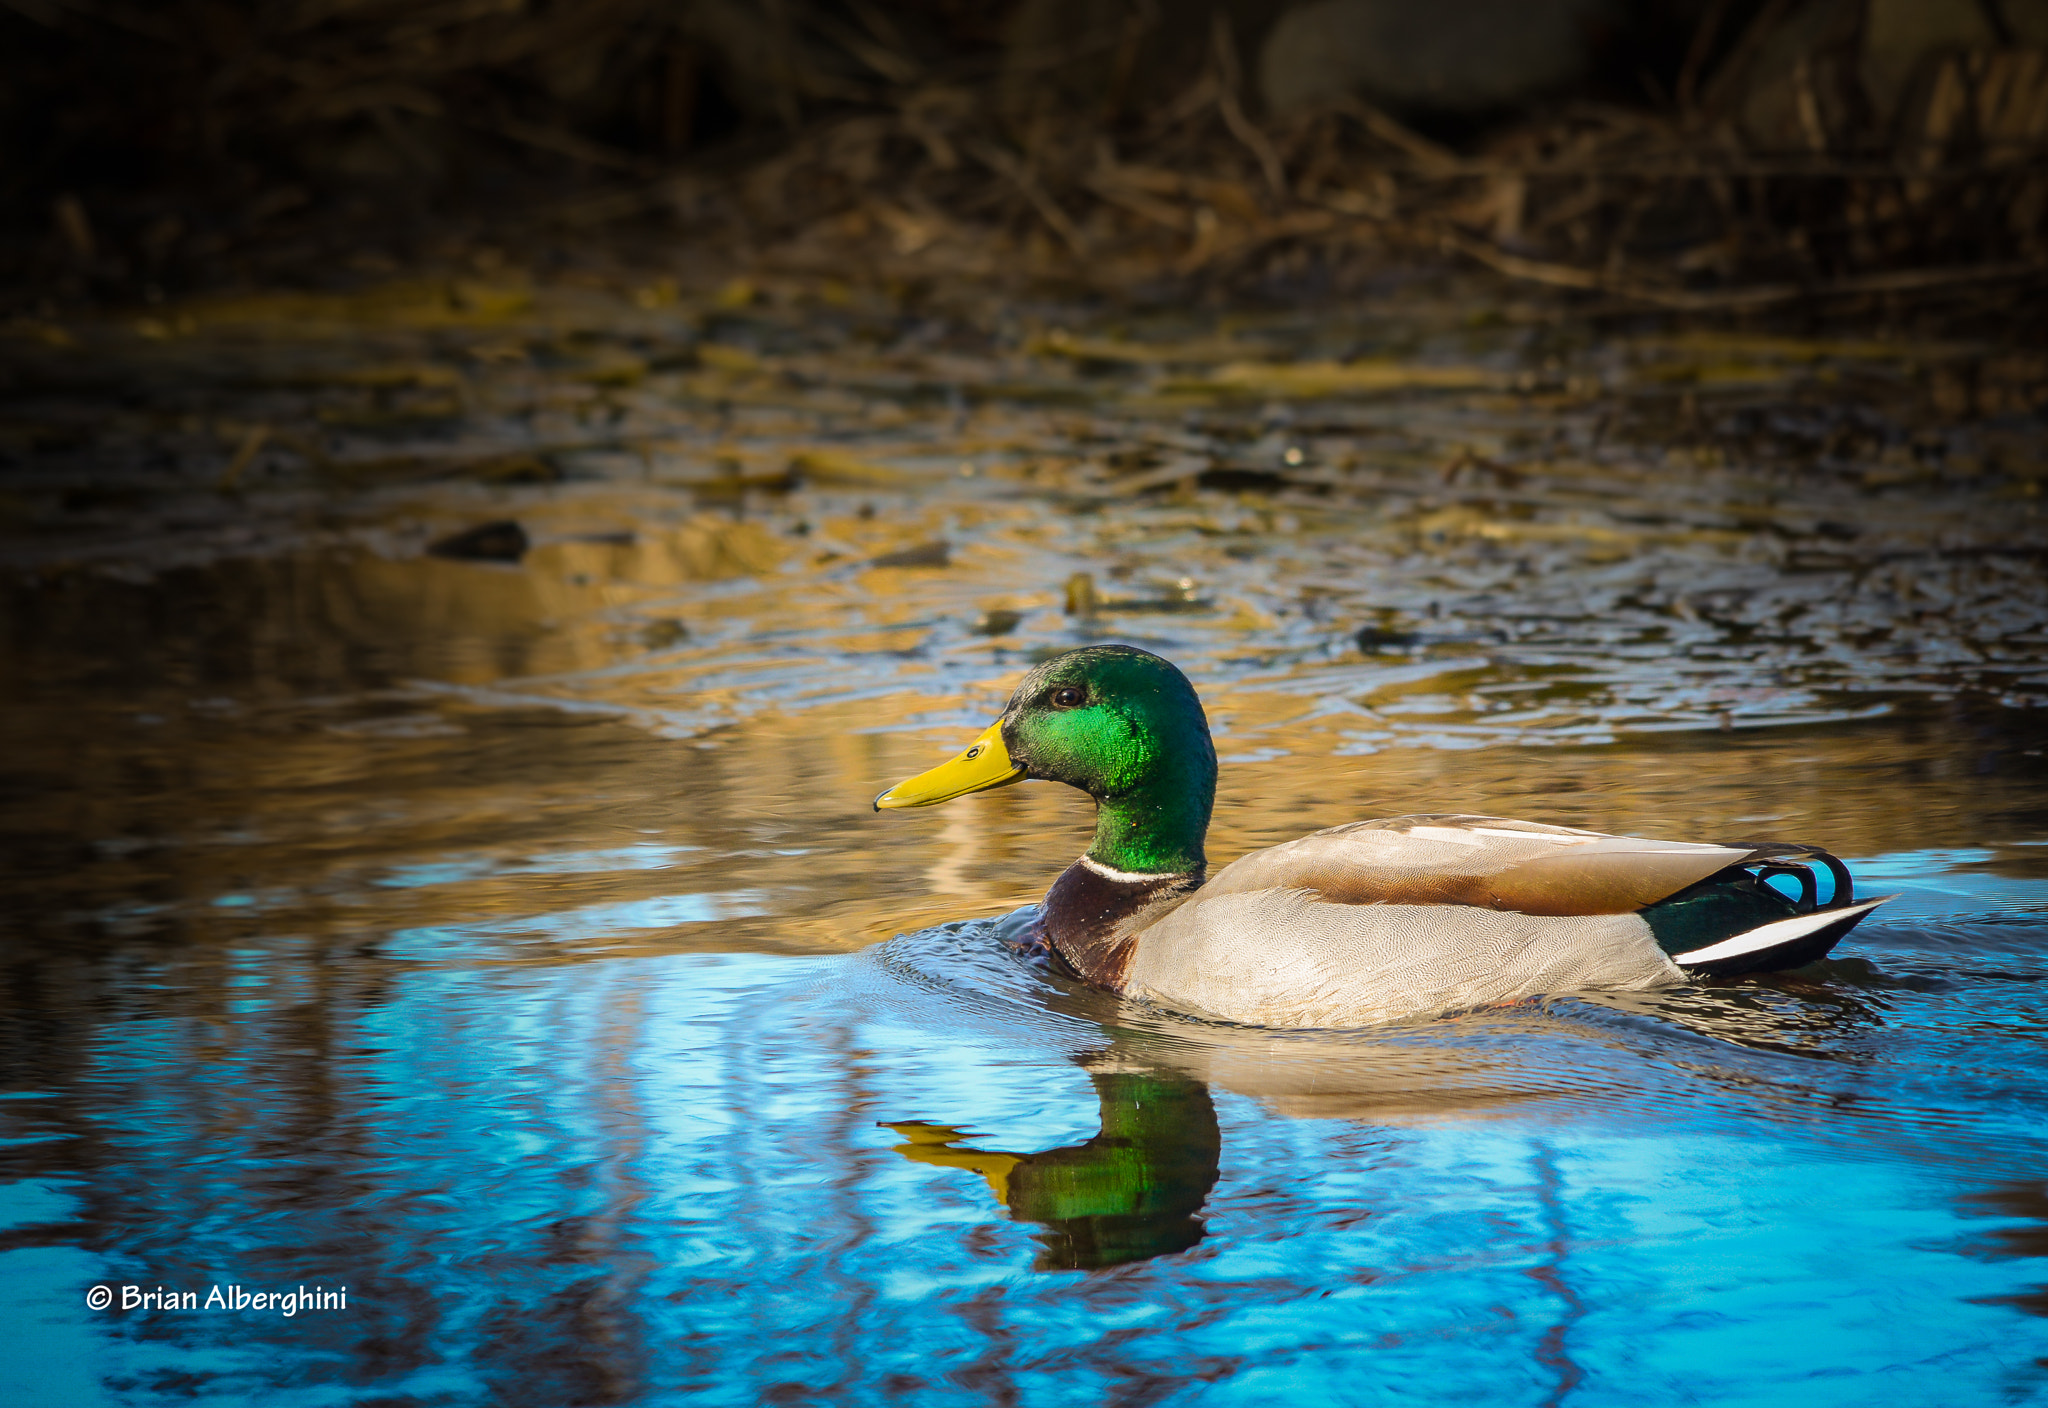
510, 943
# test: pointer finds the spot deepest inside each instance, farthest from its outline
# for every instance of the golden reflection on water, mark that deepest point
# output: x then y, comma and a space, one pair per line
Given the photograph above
544, 756
423, 808
341, 825
772, 568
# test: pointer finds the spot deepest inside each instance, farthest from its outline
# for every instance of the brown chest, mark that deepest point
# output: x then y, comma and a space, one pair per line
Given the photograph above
1092, 918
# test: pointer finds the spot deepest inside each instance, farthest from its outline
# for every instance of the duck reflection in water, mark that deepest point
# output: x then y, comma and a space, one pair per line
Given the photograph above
1132, 1192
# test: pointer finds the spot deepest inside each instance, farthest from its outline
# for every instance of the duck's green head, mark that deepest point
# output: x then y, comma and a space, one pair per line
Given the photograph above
1119, 723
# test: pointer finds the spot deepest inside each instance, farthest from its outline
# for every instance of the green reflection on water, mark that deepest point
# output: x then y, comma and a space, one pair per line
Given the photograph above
1132, 1192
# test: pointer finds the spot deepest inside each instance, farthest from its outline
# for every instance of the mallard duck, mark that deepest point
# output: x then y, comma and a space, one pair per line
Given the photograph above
1377, 921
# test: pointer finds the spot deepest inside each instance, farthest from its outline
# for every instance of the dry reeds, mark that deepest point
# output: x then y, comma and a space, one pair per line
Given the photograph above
814, 132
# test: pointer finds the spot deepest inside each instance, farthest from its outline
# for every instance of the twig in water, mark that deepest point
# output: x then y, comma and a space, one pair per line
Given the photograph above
1755, 296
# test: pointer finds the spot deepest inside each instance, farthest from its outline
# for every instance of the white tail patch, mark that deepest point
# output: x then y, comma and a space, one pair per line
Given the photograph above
1778, 931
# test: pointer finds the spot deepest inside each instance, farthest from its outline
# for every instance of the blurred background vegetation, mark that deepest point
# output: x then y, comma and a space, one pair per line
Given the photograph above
1685, 153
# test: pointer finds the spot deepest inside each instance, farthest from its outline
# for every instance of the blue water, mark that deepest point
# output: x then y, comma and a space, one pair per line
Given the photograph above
673, 1178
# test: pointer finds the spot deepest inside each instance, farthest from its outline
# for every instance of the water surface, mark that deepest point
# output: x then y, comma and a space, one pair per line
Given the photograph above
510, 941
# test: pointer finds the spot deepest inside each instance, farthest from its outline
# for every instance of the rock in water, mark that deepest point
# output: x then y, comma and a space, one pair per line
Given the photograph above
502, 541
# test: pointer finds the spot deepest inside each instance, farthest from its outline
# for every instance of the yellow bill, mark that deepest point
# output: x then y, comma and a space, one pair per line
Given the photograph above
985, 764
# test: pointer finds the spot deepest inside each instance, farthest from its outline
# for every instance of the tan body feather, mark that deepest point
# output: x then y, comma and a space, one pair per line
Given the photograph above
1413, 917
1282, 958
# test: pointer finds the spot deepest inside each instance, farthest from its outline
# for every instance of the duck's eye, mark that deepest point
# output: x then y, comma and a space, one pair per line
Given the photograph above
1066, 698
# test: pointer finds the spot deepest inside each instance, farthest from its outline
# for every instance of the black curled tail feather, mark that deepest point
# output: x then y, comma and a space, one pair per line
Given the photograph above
1769, 858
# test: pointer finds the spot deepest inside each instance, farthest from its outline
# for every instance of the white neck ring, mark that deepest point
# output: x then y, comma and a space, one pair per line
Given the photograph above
1127, 877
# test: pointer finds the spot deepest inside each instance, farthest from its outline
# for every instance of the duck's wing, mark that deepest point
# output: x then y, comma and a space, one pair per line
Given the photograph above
1487, 862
